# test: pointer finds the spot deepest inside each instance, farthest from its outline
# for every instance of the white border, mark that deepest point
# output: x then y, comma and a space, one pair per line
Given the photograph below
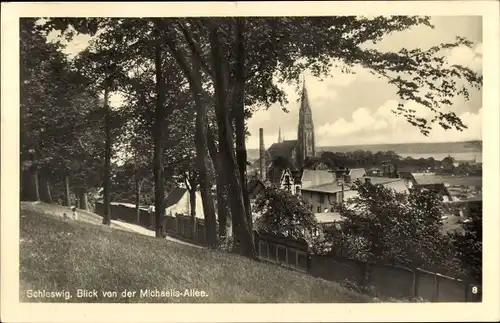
12, 310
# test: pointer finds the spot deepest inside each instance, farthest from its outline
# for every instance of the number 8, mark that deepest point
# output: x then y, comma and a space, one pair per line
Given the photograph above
474, 290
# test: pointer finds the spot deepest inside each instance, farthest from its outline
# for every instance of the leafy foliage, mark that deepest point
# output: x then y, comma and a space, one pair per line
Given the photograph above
282, 212
386, 227
236, 65
468, 245
56, 107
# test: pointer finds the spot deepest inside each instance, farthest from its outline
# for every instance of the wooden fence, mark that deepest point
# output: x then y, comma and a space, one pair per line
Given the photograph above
282, 250
387, 280
179, 226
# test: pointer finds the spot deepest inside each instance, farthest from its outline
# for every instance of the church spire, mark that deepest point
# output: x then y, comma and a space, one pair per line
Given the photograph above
305, 135
279, 135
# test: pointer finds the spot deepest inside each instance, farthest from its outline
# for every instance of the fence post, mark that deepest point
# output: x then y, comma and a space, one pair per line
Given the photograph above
416, 279
436, 288
177, 225
194, 232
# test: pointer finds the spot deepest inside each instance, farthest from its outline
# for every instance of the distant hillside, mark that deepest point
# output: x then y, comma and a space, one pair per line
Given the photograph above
413, 148
406, 149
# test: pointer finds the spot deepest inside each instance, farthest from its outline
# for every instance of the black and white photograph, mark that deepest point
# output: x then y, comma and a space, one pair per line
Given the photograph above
251, 159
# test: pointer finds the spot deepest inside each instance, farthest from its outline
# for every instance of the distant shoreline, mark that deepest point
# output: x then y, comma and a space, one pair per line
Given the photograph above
461, 150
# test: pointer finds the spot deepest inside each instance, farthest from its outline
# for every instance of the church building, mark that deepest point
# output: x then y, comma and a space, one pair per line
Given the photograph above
296, 151
286, 160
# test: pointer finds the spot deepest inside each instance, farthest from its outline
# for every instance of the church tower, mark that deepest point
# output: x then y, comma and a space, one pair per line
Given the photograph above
305, 136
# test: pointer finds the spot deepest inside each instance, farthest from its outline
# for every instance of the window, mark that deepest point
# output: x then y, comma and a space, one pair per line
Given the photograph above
321, 198
319, 209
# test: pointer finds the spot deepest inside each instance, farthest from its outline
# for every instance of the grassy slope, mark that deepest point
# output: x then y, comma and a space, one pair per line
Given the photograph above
57, 254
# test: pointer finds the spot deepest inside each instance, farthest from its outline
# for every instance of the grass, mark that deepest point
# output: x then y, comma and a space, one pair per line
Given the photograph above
64, 255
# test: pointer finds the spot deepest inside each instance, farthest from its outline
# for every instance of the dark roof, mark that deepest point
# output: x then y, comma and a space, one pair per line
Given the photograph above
175, 196
296, 175
435, 187
282, 149
277, 167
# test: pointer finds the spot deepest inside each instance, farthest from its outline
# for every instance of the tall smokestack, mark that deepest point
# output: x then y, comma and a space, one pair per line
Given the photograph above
262, 152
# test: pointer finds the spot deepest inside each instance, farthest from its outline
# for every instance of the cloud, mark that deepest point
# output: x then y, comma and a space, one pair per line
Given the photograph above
382, 126
466, 56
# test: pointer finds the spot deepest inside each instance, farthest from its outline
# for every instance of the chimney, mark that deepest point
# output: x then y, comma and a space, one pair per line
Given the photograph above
262, 152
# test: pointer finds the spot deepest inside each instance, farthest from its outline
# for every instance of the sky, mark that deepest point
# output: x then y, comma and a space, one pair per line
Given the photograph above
354, 109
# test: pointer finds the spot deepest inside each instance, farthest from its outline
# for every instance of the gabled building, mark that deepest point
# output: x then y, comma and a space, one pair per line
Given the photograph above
297, 151
326, 196
290, 181
429, 181
178, 202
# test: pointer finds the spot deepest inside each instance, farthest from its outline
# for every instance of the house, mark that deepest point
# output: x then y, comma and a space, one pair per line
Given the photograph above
178, 202
468, 207
428, 181
290, 181
328, 219
328, 196
314, 177
374, 171
439, 188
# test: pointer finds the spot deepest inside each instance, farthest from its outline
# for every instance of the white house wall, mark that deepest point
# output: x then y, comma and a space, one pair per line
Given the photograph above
184, 206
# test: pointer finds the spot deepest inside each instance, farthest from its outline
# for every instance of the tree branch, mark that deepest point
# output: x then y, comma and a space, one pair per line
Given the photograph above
195, 49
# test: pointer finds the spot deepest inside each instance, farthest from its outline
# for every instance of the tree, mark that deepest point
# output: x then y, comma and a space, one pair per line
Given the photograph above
385, 227
283, 48
447, 164
42, 63
221, 184
282, 212
57, 102
468, 245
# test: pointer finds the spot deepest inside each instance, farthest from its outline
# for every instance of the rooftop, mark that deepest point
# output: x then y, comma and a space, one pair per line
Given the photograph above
282, 149
328, 217
333, 187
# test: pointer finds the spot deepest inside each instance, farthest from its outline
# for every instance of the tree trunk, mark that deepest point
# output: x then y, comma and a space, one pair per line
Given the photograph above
45, 194
106, 219
137, 200
82, 199
192, 206
32, 191
67, 197
25, 185
239, 116
201, 154
36, 186
222, 211
159, 127
243, 238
